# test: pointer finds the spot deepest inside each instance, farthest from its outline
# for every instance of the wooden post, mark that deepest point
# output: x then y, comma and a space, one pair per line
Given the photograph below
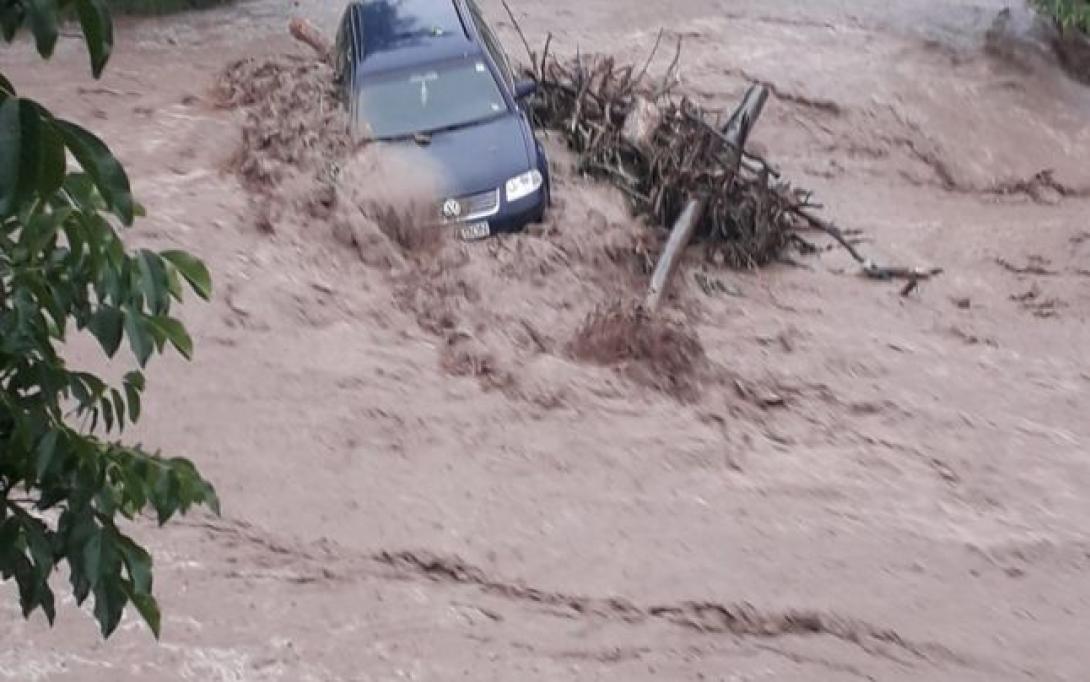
735, 133
680, 236
745, 117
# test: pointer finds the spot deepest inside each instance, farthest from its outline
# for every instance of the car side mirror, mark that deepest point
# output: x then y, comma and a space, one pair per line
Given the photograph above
525, 88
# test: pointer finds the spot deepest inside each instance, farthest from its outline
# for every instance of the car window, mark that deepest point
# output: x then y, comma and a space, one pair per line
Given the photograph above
498, 54
428, 99
492, 43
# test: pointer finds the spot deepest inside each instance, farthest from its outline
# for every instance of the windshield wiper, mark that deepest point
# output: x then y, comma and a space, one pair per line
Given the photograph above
404, 137
462, 126
425, 136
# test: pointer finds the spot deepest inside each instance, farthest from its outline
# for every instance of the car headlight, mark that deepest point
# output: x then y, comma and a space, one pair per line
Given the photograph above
524, 185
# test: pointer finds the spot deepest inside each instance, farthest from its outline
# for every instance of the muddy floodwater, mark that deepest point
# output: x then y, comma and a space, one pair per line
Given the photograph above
426, 474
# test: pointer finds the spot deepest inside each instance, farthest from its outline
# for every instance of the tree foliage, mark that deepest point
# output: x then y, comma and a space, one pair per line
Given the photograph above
65, 481
1068, 14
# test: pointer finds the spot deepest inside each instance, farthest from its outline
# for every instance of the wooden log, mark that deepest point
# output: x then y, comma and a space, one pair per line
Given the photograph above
743, 119
306, 32
680, 236
735, 133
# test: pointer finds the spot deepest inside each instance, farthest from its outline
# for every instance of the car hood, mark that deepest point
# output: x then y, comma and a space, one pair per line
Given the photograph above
477, 158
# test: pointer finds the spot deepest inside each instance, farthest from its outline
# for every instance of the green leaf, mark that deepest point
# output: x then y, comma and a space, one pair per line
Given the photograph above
41, 231
49, 166
107, 413
139, 339
136, 379
209, 497
45, 598
47, 448
91, 557
119, 408
43, 23
105, 170
98, 32
148, 609
192, 489
6, 87
10, 155
164, 496
82, 189
107, 325
27, 581
48, 302
154, 281
110, 601
138, 562
79, 391
132, 396
193, 270
9, 533
38, 541
175, 284
81, 587
75, 529
135, 494
175, 332
94, 385
31, 153
157, 334
11, 17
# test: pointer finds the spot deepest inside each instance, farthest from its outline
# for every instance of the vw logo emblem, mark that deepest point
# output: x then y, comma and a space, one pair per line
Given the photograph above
451, 209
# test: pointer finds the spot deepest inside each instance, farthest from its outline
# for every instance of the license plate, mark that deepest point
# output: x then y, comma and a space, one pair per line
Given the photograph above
472, 231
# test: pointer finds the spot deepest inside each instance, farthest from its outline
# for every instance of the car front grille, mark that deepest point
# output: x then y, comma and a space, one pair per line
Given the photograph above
472, 207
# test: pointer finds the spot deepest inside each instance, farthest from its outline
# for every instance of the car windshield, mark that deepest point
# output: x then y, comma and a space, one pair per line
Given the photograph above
427, 99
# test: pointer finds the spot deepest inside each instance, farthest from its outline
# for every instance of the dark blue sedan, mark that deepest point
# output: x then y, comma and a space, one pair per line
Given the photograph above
433, 74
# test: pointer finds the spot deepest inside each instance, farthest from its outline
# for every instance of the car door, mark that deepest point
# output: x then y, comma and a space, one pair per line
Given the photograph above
344, 50
499, 57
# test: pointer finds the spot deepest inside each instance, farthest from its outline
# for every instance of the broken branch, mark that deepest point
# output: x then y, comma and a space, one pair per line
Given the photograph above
522, 36
671, 254
309, 34
734, 135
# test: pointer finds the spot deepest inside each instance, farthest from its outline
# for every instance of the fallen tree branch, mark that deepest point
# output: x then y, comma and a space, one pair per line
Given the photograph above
651, 56
522, 36
831, 230
734, 135
309, 34
664, 159
671, 253
671, 73
869, 267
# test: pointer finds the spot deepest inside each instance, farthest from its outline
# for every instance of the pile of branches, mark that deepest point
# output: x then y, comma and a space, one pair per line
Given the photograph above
674, 159
662, 151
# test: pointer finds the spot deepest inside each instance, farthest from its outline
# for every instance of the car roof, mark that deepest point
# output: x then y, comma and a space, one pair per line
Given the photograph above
395, 34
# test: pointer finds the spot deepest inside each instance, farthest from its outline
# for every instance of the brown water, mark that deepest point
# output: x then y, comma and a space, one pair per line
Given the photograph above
422, 481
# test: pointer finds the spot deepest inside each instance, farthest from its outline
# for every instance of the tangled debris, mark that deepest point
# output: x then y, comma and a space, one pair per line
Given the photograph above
293, 117
665, 152
652, 350
661, 153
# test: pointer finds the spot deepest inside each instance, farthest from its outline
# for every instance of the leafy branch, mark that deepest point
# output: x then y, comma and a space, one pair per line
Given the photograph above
65, 267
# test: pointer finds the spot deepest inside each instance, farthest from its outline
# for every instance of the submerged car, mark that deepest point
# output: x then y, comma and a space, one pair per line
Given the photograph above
432, 73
